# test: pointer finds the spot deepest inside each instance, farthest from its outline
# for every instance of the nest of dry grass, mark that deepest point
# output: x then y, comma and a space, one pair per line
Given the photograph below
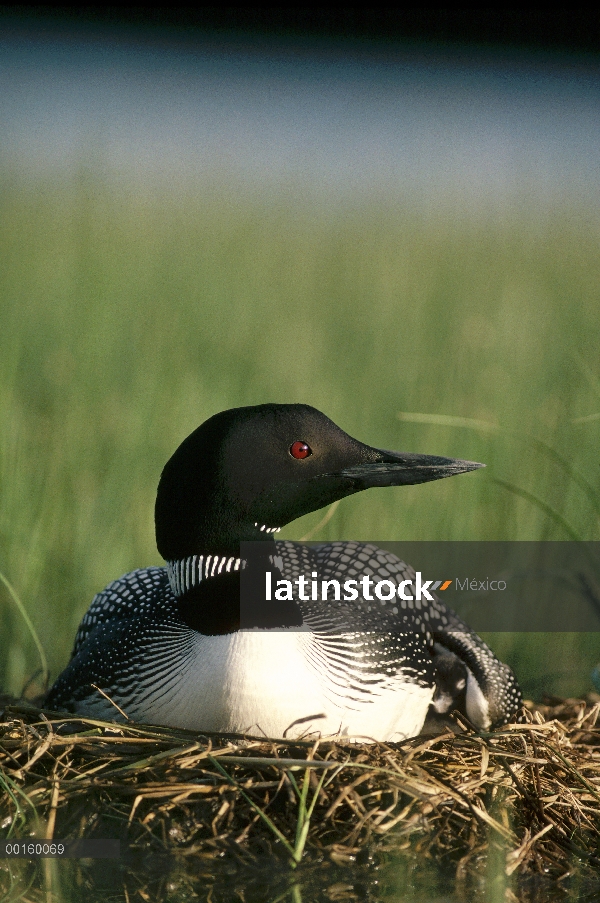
529, 792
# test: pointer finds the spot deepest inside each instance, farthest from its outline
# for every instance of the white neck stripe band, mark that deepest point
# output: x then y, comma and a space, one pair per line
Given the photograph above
186, 573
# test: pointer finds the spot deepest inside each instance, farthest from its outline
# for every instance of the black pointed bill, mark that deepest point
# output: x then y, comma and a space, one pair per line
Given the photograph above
398, 469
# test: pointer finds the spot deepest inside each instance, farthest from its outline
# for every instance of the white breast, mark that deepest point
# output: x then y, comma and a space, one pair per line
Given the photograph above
262, 681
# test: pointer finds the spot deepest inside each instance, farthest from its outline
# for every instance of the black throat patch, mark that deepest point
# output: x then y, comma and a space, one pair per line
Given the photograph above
207, 590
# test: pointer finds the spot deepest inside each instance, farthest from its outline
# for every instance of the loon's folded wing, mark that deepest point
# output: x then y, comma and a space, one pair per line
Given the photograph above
493, 695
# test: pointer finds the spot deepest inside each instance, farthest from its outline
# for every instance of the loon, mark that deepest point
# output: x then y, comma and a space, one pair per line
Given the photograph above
166, 645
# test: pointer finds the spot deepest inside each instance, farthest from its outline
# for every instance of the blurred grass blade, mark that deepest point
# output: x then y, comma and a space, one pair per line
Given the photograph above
592, 496
547, 509
589, 374
21, 608
325, 520
468, 423
447, 420
587, 419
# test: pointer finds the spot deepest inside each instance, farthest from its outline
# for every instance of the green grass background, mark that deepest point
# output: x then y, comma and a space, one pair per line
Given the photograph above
128, 316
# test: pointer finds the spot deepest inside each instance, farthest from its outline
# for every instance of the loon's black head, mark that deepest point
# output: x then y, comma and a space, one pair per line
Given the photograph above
247, 471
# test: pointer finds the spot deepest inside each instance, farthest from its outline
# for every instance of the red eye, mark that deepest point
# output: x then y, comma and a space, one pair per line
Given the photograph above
299, 449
